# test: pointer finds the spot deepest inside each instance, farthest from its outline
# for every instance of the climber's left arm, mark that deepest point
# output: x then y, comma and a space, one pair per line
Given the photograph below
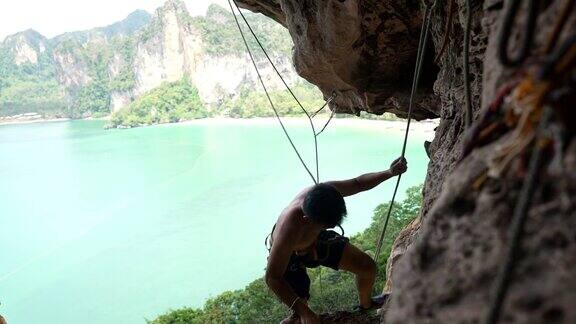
369, 180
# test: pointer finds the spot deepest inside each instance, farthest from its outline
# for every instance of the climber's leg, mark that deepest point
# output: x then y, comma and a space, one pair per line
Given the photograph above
362, 265
292, 319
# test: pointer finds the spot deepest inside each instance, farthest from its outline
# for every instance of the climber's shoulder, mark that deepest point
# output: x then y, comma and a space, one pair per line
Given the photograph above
291, 225
290, 222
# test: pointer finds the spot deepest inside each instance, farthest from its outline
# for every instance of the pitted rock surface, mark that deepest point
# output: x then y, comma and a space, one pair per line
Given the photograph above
452, 257
364, 51
448, 274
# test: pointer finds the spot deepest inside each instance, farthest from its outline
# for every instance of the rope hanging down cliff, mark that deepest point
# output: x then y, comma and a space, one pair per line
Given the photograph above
418, 68
422, 45
316, 179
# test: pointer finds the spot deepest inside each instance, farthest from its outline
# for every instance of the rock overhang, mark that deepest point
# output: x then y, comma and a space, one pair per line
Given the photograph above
361, 51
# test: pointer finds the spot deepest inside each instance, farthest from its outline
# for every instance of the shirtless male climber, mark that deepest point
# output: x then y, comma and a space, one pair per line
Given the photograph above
301, 239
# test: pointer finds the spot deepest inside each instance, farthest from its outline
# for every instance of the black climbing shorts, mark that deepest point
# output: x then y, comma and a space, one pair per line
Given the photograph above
329, 249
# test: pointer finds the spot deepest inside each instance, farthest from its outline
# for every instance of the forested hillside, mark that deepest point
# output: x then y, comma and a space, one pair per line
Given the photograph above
109, 69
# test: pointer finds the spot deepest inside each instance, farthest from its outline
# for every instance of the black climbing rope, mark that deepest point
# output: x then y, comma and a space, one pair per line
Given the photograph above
272, 103
326, 125
516, 230
555, 34
528, 33
422, 45
325, 104
308, 116
287, 88
468, 99
447, 30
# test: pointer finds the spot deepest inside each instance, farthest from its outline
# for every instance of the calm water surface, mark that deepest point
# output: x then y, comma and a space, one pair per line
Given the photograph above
121, 225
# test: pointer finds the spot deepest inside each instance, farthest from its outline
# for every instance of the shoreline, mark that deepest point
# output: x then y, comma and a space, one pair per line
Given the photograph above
396, 125
32, 121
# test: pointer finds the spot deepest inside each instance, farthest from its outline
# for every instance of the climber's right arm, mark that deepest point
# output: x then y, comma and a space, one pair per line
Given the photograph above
369, 180
277, 263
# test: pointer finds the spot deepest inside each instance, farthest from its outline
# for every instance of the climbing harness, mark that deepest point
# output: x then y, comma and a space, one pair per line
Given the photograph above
422, 45
528, 33
540, 84
269, 245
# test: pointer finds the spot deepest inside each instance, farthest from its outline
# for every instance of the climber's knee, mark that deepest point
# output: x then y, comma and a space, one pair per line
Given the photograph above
368, 267
357, 262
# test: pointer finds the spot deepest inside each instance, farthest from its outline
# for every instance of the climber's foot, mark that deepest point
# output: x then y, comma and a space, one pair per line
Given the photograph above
377, 302
427, 147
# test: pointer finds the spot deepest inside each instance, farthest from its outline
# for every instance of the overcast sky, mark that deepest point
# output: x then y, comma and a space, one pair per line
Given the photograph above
53, 17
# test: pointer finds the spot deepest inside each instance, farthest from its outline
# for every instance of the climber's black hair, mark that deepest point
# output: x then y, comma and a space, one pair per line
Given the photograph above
324, 205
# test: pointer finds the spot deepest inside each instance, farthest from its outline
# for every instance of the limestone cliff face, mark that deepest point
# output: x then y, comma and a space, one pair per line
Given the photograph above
448, 274
142, 52
72, 69
177, 50
445, 264
172, 51
26, 47
119, 98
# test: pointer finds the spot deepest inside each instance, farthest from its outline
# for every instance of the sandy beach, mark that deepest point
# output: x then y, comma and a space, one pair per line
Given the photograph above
427, 126
424, 127
31, 121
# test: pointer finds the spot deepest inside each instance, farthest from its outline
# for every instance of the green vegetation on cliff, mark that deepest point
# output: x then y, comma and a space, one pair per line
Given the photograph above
27, 86
177, 101
126, 79
76, 73
168, 103
250, 103
220, 34
331, 290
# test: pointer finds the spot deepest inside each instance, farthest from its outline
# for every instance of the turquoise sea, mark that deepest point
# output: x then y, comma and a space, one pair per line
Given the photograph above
116, 226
